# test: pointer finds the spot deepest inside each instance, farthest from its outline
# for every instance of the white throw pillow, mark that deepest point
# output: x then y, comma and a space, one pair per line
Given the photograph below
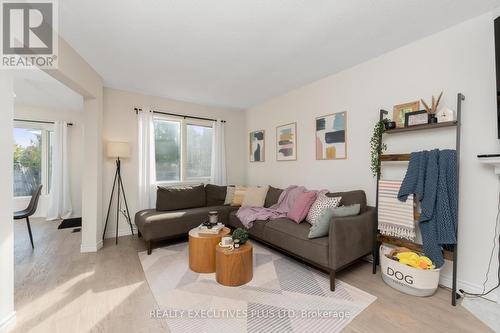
322, 202
229, 195
255, 196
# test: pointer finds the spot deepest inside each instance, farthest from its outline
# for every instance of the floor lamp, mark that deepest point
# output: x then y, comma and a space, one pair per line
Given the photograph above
118, 150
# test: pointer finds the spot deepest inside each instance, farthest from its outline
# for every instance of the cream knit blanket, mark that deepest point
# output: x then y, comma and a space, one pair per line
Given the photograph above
395, 218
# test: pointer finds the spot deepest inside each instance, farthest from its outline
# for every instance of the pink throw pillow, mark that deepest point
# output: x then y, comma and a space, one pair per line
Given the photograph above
301, 207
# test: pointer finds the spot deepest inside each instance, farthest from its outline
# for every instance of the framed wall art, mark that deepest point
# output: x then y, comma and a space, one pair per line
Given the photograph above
331, 136
286, 142
257, 145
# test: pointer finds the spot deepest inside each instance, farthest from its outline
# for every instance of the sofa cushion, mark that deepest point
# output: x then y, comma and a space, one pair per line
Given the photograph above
180, 197
272, 196
229, 194
322, 226
216, 195
256, 230
293, 238
239, 196
321, 204
350, 198
301, 207
154, 224
255, 196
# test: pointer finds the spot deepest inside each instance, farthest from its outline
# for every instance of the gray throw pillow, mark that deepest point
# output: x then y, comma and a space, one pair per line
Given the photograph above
322, 225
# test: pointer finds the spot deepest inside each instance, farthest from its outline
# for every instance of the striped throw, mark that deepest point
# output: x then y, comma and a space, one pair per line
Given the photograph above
395, 218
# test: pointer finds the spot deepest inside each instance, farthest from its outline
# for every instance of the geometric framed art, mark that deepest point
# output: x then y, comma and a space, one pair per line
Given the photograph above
286, 142
331, 138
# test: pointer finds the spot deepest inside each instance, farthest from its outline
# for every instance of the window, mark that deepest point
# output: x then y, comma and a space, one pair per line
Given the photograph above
32, 162
183, 149
198, 151
168, 150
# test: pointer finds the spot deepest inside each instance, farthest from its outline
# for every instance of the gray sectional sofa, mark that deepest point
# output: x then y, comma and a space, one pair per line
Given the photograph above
350, 238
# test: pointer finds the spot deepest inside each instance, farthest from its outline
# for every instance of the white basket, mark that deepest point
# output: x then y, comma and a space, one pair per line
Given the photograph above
409, 280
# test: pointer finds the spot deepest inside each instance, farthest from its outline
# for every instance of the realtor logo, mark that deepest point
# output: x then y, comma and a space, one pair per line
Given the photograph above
29, 34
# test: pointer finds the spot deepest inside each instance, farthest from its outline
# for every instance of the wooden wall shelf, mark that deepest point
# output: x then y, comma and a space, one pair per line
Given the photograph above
421, 127
394, 157
448, 255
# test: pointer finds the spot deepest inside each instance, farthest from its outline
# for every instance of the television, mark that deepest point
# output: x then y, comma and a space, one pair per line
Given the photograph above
497, 64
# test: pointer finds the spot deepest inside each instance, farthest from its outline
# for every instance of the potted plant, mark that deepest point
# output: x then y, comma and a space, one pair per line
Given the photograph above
377, 147
241, 235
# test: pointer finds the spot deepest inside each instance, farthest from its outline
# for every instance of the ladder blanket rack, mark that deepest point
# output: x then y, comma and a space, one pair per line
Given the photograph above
448, 255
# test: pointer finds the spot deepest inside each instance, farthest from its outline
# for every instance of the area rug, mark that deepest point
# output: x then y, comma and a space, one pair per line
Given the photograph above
283, 296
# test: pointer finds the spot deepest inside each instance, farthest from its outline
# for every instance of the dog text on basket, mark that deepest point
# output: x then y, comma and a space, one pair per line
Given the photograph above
400, 276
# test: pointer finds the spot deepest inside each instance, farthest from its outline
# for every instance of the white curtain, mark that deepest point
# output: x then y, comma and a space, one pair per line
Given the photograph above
219, 154
146, 163
60, 194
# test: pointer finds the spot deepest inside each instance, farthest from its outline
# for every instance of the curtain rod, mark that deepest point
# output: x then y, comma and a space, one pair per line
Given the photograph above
137, 110
39, 121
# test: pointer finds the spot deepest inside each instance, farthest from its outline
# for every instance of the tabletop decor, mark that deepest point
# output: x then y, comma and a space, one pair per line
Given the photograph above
401, 109
416, 118
241, 235
432, 110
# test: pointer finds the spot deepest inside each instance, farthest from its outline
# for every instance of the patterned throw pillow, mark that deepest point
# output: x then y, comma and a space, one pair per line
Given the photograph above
322, 202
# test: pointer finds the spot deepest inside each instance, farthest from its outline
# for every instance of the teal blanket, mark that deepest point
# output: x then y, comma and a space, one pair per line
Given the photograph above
432, 177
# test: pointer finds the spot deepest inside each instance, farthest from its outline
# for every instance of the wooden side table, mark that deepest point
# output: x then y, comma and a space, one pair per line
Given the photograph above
202, 250
234, 267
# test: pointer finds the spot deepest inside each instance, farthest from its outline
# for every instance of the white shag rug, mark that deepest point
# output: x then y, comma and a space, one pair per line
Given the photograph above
283, 296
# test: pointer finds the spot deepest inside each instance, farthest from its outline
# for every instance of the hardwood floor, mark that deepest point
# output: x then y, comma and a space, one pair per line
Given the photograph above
58, 289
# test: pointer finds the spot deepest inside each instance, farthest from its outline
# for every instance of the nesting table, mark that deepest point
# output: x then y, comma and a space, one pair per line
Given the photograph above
202, 250
234, 267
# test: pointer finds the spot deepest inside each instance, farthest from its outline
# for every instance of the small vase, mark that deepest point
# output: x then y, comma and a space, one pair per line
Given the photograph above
432, 119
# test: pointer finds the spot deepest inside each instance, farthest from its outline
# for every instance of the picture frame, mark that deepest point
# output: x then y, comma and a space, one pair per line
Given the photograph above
400, 110
257, 146
331, 136
416, 118
286, 142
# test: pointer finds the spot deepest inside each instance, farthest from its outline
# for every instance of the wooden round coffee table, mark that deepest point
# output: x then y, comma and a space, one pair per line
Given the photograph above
234, 267
202, 250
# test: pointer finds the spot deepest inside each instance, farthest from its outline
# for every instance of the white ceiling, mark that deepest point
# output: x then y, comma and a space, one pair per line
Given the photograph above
241, 52
36, 88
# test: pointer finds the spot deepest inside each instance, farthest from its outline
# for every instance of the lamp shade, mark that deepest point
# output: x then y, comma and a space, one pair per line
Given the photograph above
118, 149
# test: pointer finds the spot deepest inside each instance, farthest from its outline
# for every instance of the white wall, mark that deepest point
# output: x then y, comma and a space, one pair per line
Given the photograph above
120, 124
78, 75
7, 314
75, 158
460, 59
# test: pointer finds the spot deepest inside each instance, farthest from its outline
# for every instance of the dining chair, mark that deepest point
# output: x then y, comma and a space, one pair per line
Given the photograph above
30, 210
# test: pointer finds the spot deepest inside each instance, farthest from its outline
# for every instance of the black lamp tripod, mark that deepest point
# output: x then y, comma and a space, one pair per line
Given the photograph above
120, 190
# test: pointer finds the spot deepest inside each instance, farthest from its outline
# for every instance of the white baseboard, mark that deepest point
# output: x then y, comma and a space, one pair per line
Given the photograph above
8, 323
85, 248
122, 231
467, 286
